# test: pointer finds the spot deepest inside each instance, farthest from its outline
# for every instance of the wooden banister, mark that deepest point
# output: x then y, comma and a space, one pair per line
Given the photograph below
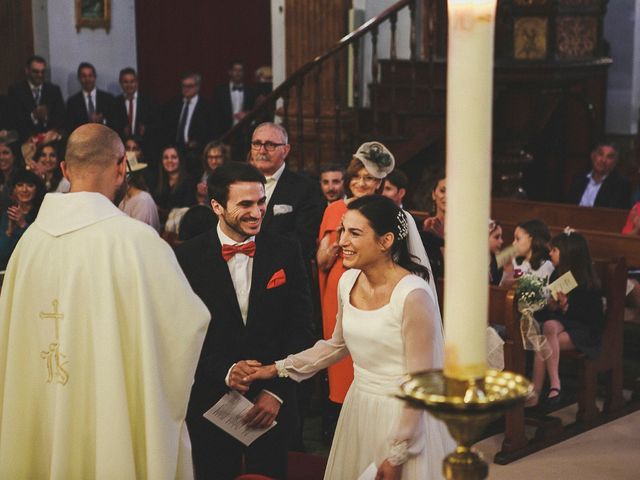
297, 81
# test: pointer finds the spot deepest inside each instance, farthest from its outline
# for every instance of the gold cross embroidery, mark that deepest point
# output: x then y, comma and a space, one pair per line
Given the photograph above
53, 356
53, 316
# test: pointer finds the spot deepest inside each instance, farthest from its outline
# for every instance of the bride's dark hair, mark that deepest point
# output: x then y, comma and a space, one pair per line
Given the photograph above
384, 216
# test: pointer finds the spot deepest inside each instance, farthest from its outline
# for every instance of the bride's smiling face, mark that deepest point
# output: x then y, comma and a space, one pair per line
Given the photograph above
359, 242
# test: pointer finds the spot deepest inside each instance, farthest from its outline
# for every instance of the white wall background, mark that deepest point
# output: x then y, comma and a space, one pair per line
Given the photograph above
57, 40
622, 30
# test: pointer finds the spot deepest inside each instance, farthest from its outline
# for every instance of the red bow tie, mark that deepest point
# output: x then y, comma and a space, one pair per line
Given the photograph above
228, 251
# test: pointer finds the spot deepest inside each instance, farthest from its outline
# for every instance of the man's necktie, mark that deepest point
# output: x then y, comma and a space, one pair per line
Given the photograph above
36, 95
180, 136
237, 88
91, 107
130, 116
228, 251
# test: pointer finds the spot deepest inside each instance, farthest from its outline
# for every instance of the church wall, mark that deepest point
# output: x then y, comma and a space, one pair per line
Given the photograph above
56, 38
622, 31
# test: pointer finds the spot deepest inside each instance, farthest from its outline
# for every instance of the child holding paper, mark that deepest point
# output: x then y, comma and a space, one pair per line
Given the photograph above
575, 319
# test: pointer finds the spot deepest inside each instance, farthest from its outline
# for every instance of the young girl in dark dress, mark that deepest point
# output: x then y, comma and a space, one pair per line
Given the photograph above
575, 320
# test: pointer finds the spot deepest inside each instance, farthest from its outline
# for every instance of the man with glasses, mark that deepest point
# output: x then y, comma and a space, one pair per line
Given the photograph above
101, 334
294, 202
36, 103
188, 120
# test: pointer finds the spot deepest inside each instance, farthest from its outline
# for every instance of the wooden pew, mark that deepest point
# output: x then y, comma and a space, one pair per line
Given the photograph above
613, 276
601, 244
503, 311
559, 214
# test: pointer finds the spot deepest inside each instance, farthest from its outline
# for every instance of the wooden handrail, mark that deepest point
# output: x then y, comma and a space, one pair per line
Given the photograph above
296, 77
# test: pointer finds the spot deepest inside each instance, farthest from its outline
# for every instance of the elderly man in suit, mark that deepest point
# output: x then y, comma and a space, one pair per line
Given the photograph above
232, 100
294, 202
36, 104
188, 121
603, 186
255, 287
91, 105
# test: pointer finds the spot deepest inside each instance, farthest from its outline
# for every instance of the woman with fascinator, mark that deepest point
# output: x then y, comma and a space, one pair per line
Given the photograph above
388, 322
364, 176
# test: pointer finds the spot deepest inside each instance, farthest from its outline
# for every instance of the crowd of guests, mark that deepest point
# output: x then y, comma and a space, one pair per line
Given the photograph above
339, 234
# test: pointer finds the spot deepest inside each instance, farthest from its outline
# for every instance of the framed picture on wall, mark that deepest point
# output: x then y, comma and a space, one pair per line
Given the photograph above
93, 14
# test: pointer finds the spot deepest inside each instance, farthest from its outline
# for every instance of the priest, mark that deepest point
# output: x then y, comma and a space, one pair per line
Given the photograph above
100, 334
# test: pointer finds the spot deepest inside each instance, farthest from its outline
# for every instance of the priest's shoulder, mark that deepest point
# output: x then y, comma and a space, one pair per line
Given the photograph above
135, 228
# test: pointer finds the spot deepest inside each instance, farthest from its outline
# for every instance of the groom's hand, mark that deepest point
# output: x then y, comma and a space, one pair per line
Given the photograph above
264, 412
238, 377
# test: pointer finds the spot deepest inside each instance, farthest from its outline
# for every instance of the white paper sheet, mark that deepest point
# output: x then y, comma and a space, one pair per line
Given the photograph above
228, 413
369, 473
564, 284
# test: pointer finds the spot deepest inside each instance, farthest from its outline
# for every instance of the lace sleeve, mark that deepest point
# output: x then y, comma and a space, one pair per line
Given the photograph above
305, 364
420, 335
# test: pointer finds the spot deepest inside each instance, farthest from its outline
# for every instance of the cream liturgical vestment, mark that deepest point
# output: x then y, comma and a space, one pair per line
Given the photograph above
100, 334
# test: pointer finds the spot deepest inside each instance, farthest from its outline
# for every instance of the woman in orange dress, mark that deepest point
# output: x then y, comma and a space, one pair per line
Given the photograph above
364, 176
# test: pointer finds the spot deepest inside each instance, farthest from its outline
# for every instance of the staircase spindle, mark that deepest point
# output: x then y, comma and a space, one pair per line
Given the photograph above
412, 34
356, 90
316, 118
394, 24
337, 107
300, 124
285, 109
374, 56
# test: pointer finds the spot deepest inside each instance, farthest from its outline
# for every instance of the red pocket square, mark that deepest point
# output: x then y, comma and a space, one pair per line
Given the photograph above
278, 278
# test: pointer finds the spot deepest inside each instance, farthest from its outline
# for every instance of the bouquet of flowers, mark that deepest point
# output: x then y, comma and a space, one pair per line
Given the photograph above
531, 295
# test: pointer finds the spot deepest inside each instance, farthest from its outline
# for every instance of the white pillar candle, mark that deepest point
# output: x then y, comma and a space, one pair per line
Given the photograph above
469, 101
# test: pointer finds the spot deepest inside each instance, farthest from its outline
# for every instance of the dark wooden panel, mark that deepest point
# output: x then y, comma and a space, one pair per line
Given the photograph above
202, 36
16, 40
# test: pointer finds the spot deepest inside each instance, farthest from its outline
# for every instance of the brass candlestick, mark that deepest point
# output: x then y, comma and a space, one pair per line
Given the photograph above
467, 407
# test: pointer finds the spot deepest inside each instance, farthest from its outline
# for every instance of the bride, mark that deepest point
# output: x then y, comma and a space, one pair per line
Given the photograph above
388, 321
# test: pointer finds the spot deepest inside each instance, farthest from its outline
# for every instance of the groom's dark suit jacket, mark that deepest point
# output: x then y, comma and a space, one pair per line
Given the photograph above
278, 319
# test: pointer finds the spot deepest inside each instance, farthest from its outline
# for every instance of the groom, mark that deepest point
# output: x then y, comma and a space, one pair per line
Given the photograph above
256, 289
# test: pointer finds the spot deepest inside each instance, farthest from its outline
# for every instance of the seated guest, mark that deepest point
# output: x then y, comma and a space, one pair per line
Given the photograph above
36, 104
433, 227
197, 220
137, 203
231, 100
632, 227
46, 164
134, 145
395, 186
495, 244
175, 188
603, 186
214, 154
27, 193
8, 161
91, 105
573, 321
332, 182
531, 242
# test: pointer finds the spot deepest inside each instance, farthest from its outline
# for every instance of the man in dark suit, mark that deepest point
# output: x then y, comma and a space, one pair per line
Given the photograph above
232, 100
139, 114
188, 121
91, 105
603, 186
294, 202
257, 293
37, 105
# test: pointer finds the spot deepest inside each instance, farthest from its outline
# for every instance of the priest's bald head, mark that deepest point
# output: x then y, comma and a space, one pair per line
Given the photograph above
95, 161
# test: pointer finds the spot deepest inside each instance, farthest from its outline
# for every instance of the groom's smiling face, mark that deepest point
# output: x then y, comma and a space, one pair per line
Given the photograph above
242, 216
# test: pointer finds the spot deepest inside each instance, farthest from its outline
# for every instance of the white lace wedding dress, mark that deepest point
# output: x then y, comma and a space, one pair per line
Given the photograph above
384, 349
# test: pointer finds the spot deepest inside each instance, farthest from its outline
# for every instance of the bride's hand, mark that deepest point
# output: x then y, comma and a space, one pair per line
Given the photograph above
386, 471
262, 373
